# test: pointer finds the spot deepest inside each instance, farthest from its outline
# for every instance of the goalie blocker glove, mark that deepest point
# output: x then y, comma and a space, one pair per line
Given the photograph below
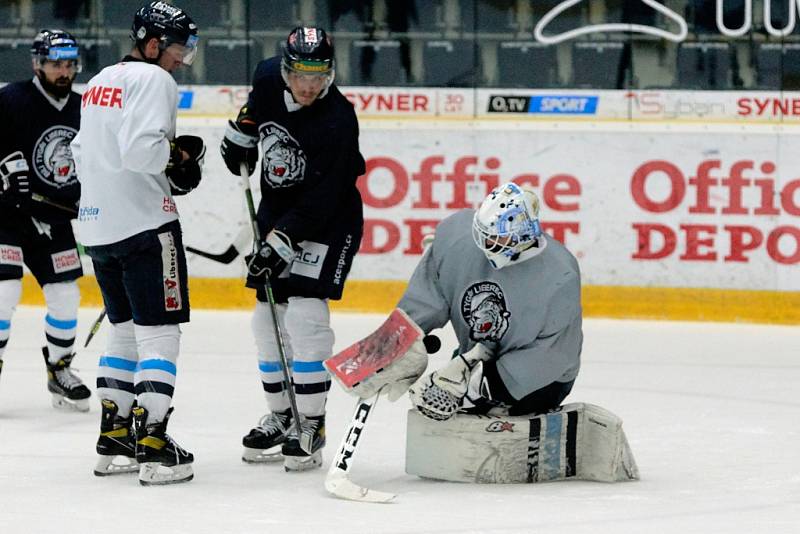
440, 394
240, 145
184, 174
14, 176
270, 260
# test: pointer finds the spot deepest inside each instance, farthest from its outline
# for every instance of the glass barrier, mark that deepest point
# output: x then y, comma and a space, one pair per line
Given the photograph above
594, 44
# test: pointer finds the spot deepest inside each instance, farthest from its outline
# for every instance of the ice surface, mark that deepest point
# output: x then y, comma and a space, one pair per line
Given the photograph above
711, 411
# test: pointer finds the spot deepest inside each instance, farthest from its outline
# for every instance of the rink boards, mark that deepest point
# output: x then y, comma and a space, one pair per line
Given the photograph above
679, 216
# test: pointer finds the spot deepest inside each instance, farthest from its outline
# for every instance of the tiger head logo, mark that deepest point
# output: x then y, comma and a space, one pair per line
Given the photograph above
284, 162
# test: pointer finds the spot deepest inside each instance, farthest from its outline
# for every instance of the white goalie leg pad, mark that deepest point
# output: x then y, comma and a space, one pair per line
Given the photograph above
308, 322
579, 441
269, 360
10, 292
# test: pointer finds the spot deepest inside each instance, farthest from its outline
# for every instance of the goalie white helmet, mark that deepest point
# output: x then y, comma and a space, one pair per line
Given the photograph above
506, 223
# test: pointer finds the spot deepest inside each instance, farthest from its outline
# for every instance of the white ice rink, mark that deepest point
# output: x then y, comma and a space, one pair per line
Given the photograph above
712, 413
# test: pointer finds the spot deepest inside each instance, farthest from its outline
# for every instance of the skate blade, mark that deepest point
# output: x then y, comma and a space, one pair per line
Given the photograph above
106, 466
69, 405
262, 456
156, 474
302, 463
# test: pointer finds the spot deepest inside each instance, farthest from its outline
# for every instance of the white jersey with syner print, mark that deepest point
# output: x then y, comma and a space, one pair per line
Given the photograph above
128, 118
528, 313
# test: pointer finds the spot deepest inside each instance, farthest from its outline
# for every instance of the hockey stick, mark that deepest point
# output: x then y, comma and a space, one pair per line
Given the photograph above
95, 327
233, 251
226, 257
336, 481
251, 211
44, 200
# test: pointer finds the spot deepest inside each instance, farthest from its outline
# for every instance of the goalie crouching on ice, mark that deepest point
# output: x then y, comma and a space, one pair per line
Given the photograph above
512, 295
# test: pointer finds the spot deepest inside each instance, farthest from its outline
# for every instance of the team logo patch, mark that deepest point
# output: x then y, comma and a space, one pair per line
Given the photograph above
10, 255
172, 280
284, 162
52, 156
500, 426
484, 309
309, 259
66, 260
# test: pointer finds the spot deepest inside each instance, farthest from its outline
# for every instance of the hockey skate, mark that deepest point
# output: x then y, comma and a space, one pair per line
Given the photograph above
116, 444
261, 444
306, 452
161, 460
68, 390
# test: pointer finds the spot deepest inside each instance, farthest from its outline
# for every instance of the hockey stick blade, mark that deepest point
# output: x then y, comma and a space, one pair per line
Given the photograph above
226, 257
340, 486
336, 481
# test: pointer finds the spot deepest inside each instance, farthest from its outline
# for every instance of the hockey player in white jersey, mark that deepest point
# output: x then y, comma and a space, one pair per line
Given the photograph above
130, 164
512, 295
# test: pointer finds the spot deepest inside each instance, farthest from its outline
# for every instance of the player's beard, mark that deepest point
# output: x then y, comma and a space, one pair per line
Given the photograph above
59, 89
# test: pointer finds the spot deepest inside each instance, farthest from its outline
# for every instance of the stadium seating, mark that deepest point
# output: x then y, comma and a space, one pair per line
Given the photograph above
599, 65
526, 64
449, 63
704, 65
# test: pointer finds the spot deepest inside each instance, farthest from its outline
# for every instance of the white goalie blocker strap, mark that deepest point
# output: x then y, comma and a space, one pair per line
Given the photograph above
580, 441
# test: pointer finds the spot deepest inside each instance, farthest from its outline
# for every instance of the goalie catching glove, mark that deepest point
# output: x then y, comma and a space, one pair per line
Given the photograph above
441, 393
387, 361
184, 174
14, 176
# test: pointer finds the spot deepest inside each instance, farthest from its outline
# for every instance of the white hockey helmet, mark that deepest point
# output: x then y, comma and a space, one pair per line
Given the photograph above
506, 223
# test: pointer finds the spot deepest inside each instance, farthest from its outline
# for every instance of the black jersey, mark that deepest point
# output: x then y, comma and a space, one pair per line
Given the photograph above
31, 124
310, 161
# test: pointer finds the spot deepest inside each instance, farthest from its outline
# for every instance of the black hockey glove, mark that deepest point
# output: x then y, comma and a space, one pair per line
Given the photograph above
14, 176
240, 145
184, 174
271, 259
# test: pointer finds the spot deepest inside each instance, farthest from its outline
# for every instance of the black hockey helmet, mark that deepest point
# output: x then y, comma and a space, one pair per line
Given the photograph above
170, 24
308, 51
55, 45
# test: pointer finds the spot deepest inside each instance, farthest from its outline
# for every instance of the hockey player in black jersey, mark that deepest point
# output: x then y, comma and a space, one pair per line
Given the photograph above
311, 215
39, 194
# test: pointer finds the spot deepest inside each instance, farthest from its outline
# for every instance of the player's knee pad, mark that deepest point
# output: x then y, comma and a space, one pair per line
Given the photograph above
579, 441
159, 342
10, 292
264, 331
63, 299
121, 340
308, 322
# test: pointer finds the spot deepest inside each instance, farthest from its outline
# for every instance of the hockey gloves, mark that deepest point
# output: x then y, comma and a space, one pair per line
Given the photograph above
240, 145
440, 394
184, 174
271, 259
14, 176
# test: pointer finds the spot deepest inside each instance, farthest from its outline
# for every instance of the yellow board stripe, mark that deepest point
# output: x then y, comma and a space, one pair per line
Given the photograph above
380, 296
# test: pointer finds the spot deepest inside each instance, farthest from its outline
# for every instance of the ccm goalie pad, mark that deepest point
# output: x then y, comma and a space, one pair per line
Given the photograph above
577, 442
389, 360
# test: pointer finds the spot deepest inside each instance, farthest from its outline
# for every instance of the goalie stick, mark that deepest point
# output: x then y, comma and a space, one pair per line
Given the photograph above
337, 482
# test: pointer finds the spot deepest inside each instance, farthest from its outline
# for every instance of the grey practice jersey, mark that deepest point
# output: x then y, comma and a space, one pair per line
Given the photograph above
528, 313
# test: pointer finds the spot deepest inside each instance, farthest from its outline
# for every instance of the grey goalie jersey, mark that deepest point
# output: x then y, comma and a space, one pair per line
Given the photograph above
528, 313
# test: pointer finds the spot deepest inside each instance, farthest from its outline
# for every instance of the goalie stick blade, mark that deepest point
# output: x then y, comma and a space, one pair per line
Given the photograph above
340, 486
226, 257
